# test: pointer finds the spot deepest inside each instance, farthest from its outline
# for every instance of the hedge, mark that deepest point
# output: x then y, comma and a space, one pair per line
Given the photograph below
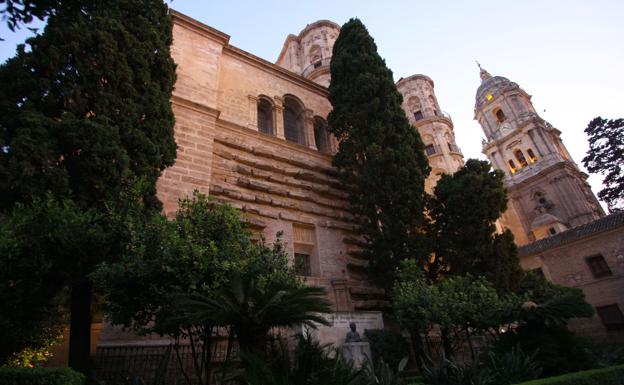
24, 376
613, 375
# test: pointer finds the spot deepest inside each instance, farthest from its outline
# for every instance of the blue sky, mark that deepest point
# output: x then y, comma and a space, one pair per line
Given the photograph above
568, 54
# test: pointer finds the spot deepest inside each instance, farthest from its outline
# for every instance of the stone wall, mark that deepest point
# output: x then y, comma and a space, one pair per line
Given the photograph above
567, 265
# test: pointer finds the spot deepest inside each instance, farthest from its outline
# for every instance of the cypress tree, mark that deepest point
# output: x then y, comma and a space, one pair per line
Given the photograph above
85, 115
380, 155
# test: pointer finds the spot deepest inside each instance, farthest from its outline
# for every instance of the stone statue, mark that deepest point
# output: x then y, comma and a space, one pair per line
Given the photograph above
353, 335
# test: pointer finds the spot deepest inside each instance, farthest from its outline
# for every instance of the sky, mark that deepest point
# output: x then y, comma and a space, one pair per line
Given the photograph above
567, 54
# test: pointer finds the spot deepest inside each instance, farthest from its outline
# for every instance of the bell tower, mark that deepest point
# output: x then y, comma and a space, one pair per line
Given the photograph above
548, 193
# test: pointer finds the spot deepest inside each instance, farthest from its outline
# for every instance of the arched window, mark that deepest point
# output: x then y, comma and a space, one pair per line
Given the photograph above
532, 156
512, 166
293, 120
321, 136
265, 116
500, 115
520, 158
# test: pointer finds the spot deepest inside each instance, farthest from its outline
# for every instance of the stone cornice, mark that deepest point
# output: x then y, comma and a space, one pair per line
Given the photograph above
198, 27
198, 107
414, 77
433, 119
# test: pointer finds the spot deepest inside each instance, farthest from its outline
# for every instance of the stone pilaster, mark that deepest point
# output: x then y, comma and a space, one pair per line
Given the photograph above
253, 112
279, 117
308, 129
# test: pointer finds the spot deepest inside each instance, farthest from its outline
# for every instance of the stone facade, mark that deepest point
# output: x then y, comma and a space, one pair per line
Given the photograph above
254, 134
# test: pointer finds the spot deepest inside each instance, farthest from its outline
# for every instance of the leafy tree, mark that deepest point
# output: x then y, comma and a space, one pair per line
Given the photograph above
193, 276
381, 157
541, 328
37, 241
85, 115
606, 151
464, 209
459, 305
194, 253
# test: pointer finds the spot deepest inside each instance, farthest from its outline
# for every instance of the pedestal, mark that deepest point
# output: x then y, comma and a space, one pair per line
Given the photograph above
357, 352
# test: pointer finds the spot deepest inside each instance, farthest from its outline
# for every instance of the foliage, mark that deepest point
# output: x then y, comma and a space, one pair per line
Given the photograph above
511, 366
491, 369
606, 151
85, 115
381, 373
311, 364
194, 253
37, 241
460, 305
450, 373
386, 345
607, 376
541, 327
464, 209
608, 355
381, 157
192, 276
57, 376
252, 309
37, 354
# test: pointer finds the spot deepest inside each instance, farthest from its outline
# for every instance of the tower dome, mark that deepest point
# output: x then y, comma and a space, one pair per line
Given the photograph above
491, 87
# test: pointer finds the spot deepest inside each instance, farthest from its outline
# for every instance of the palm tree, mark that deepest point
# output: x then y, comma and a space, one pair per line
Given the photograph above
252, 309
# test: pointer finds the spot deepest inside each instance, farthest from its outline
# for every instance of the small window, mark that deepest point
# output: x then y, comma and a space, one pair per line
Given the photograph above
321, 136
512, 166
532, 156
520, 158
293, 121
430, 149
552, 231
598, 266
302, 265
418, 115
500, 115
611, 316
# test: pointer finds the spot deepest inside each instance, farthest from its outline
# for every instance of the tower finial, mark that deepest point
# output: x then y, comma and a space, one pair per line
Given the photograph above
482, 72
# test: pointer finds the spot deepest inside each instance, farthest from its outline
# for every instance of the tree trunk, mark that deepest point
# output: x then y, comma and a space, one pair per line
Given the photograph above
446, 343
80, 327
419, 351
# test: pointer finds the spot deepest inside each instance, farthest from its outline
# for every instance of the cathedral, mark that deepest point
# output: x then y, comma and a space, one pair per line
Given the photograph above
253, 133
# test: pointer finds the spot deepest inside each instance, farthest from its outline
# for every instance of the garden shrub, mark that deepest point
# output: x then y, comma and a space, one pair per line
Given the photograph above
387, 345
613, 375
40, 376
